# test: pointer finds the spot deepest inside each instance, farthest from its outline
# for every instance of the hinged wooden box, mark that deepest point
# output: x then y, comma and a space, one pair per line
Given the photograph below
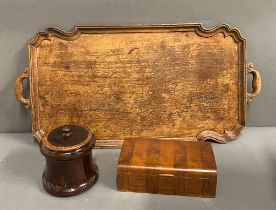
167, 167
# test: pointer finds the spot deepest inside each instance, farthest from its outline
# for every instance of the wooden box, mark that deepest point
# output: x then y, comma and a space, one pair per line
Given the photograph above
167, 167
171, 81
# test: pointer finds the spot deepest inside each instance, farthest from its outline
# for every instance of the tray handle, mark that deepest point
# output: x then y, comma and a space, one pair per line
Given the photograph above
256, 83
19, 89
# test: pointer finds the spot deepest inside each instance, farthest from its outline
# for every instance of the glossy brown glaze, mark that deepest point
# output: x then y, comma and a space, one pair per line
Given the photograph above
167, 167
69, 169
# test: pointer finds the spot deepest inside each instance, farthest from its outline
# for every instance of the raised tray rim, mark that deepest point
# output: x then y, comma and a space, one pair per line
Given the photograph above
75, 33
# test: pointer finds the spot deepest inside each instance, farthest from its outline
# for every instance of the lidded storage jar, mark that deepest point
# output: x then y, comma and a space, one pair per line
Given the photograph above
70, 168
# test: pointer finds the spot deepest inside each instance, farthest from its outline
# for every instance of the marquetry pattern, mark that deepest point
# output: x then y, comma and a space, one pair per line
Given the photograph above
167, 167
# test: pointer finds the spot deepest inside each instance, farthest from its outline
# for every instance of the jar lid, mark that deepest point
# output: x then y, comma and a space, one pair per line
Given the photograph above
67, 138
67, 135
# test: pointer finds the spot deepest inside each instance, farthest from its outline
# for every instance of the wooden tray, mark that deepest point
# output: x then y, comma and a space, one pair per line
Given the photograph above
164, 81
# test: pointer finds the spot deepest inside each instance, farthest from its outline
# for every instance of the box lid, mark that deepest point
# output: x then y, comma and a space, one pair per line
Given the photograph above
167, 157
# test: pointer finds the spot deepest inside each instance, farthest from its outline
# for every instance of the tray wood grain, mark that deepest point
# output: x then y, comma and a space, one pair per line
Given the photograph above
162, 81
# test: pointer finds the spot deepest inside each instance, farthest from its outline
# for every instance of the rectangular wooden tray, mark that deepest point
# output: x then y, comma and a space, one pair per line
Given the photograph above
163, 81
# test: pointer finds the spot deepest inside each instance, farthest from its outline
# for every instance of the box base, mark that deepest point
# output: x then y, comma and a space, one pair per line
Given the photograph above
167, 185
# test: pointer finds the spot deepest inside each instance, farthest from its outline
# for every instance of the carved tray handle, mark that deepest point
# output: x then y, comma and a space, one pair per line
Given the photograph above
19, 89
256, 83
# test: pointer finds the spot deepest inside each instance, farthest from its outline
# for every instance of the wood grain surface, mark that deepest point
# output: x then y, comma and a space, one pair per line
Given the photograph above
167, 167
70, 169
165, 81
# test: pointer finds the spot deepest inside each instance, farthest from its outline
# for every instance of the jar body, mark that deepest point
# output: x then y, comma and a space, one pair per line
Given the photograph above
69, 177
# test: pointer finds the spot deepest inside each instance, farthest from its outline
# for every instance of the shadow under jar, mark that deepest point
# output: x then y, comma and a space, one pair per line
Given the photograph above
70, 168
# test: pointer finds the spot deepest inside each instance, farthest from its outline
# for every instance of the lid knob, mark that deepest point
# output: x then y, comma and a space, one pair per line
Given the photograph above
66, 131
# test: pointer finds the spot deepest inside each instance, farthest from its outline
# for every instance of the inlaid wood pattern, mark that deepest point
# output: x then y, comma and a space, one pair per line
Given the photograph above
167, 167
